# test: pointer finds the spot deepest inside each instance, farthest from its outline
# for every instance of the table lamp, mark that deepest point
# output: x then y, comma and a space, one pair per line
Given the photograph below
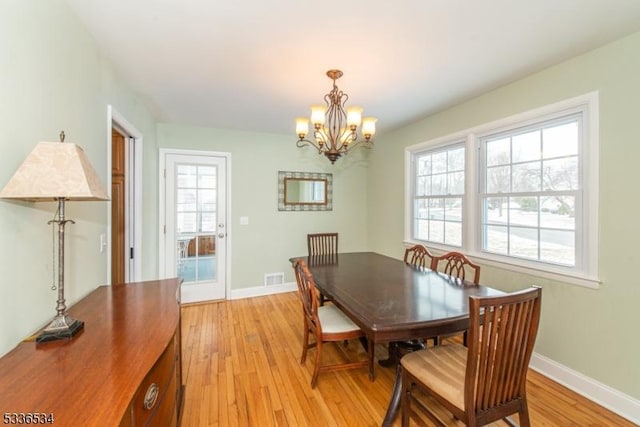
56, 171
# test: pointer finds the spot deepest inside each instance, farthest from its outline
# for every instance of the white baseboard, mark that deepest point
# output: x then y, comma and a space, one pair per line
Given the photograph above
602, 394
259, 291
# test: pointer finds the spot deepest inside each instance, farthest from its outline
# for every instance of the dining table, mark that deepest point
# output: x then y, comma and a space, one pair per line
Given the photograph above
392, 301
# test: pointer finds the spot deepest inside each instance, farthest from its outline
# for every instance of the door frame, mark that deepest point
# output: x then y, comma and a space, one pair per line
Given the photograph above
163, 152
133, 230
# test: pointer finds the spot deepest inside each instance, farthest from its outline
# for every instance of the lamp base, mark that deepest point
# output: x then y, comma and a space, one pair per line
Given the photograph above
62, 327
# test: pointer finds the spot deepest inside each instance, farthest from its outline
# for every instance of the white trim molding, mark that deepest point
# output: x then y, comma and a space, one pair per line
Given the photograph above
115, 117
610, 398
260, 291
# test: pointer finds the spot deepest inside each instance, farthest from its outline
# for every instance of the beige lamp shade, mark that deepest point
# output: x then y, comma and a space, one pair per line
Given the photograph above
55, 170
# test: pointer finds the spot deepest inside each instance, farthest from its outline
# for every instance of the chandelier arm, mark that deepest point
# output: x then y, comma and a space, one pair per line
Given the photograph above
321, 136
343, 148
361, 143
305, 142
346, 143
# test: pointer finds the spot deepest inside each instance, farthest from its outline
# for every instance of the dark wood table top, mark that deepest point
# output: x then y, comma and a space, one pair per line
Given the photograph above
393, 301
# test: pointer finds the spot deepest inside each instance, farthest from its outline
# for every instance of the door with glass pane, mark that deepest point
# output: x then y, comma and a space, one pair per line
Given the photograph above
195, 215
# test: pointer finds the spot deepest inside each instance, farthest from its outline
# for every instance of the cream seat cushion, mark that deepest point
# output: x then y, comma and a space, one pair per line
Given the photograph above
333, 320
440, 368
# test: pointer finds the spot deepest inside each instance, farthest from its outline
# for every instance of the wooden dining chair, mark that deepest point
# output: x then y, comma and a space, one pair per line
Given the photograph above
322, 244
326, 324
456, 265
485, 381
417, 256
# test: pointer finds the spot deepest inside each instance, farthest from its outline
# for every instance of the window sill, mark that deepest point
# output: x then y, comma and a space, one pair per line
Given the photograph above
547, 272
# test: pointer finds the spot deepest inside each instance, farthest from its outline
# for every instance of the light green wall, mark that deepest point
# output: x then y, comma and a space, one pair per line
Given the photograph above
53, 78
273, 236
590, 331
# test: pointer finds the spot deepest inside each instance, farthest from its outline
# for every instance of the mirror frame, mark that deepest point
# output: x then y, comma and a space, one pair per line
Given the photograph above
283, 205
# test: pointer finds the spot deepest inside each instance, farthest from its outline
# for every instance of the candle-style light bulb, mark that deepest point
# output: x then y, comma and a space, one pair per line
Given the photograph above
369, 127
302, 127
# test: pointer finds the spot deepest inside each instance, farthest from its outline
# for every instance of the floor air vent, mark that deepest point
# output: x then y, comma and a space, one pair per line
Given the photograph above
273, 279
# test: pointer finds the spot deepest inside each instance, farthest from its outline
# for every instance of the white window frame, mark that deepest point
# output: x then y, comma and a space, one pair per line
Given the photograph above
585, 273
450, 145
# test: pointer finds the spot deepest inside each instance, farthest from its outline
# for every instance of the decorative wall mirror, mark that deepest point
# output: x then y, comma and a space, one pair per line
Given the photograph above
305, 191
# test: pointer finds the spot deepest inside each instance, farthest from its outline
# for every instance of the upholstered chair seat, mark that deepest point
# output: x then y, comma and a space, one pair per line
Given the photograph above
334, 321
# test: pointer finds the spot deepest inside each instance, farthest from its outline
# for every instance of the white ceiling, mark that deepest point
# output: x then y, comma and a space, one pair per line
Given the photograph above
257, 64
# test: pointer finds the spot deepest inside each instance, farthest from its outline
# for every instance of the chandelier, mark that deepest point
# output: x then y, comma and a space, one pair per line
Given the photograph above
334, 130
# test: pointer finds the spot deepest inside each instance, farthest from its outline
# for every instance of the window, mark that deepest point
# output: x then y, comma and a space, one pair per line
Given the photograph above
438, 195
520, 193
195, 221
529, 191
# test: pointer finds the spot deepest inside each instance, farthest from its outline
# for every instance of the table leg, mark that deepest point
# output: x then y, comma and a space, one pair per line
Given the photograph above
368, 345
392, 360
394, 404
372, 374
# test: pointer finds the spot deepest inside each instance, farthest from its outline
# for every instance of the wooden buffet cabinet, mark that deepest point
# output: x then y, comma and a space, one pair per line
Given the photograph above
123, 369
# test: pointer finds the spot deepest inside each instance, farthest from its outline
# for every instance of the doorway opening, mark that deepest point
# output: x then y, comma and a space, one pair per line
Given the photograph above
124, 230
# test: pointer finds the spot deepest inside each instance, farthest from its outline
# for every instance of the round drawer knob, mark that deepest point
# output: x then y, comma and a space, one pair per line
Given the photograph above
151, 396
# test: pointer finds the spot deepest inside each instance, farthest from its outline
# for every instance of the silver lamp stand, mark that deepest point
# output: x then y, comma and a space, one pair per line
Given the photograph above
62, 326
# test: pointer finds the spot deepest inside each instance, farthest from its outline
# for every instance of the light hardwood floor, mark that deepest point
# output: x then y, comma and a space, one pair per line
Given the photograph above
241, 368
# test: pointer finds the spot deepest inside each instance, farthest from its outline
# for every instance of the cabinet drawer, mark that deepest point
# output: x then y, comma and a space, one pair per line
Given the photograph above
156, 388
166, 414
